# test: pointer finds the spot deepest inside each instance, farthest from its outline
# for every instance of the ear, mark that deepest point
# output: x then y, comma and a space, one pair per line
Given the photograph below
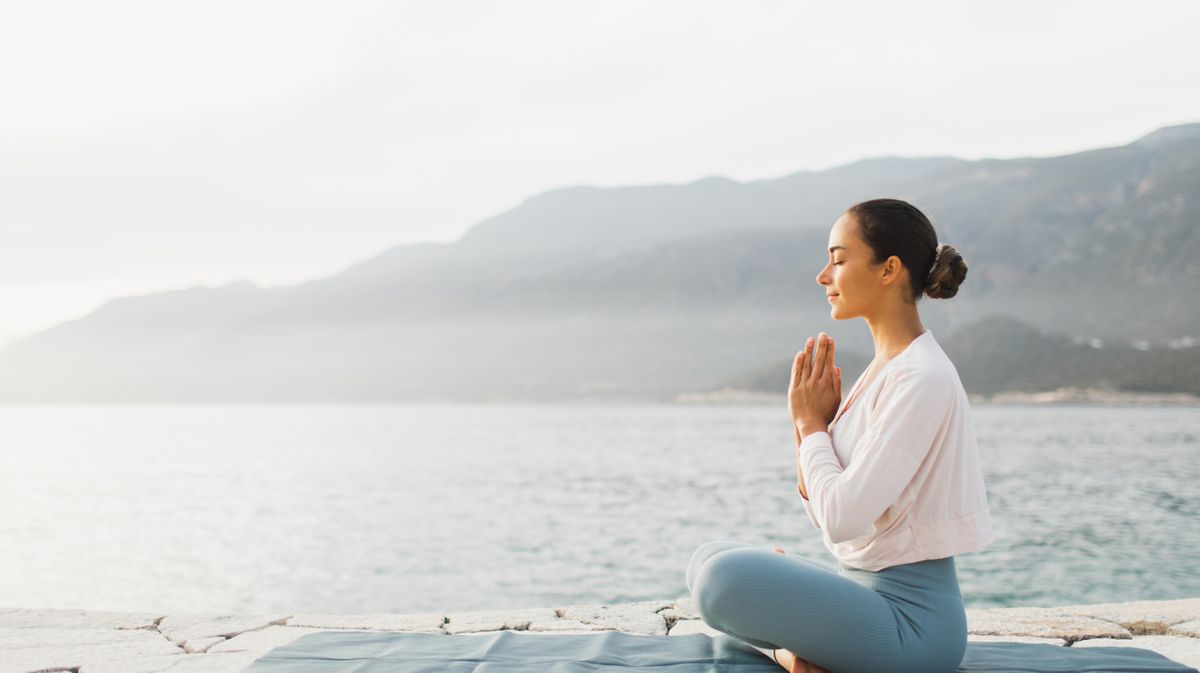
891, 270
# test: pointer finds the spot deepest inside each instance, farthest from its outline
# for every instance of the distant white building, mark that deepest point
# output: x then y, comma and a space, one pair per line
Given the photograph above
1183, 342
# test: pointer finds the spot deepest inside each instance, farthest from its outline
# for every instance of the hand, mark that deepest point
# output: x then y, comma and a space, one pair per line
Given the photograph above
815, 392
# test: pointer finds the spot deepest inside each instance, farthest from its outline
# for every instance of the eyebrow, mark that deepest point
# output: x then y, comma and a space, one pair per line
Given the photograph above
837, 247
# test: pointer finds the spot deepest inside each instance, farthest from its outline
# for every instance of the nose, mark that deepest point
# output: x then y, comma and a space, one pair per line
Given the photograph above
822, 277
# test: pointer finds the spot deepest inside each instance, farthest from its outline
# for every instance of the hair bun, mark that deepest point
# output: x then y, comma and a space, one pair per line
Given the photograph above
946, 274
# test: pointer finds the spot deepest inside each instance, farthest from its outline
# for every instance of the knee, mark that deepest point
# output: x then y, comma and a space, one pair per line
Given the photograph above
716, 583
703, 553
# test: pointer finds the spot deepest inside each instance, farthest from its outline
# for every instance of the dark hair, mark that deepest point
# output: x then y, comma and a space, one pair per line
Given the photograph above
895, 227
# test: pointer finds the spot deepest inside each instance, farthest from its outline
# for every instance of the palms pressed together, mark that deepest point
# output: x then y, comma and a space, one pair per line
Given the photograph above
790, 661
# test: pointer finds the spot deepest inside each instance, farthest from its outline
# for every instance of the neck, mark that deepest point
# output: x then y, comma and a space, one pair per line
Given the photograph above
894, 330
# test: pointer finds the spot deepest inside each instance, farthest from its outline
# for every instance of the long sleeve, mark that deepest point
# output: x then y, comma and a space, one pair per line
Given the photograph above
913, 407
808, 508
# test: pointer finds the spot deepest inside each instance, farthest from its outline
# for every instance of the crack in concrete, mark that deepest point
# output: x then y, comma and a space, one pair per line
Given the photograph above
176, 644
669, 619
182, 645
192, 650
282, 621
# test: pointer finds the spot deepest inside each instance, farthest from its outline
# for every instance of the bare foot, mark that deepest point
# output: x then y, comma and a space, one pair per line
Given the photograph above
793, 664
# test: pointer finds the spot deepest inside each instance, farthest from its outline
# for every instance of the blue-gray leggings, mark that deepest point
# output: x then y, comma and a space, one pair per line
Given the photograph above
904, 619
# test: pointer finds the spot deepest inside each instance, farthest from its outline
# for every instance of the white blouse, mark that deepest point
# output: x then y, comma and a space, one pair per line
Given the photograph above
898, 478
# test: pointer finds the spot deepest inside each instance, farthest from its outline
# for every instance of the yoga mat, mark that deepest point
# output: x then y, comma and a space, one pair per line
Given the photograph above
621, 652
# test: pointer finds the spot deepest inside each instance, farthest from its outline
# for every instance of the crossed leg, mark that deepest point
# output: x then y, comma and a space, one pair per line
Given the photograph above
773, 600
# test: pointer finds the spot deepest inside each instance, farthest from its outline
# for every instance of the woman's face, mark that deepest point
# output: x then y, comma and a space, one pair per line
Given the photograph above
849, 276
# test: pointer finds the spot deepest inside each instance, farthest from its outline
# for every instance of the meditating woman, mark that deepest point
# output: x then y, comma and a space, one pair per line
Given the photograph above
892, 479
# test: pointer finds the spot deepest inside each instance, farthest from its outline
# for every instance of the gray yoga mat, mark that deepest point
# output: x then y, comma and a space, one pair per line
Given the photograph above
618, 651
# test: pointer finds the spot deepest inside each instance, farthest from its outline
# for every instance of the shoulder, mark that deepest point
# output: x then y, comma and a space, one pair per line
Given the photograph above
926, 377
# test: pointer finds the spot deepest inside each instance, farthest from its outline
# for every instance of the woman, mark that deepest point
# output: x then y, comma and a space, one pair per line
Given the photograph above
892, 479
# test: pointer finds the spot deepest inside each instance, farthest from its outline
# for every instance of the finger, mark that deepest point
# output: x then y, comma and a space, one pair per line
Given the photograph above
778, 549
797, 368
808, 359
818, 365
829, 356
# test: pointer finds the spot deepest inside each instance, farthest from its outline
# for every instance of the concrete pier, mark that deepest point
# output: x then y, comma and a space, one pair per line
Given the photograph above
82, 641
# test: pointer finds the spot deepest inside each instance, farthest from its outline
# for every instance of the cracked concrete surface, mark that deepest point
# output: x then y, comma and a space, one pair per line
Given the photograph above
81, 641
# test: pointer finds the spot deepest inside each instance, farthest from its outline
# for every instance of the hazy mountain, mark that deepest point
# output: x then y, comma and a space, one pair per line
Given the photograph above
1001, 354
647, 291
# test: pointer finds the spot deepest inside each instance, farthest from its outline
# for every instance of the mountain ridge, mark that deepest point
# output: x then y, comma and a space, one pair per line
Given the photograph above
644, 291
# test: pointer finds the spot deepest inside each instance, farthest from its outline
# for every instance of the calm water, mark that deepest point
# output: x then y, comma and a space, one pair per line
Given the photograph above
380, 508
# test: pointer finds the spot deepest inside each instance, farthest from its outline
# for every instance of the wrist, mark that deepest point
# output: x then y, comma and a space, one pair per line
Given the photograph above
806, 429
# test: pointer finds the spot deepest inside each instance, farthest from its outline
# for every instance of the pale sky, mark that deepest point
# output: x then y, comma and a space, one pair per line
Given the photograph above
147, 146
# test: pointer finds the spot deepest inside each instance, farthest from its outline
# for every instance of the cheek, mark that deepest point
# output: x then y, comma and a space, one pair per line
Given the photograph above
845, 283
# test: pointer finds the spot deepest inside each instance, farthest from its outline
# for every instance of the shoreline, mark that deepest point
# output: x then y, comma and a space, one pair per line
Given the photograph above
91, 641
1061, 396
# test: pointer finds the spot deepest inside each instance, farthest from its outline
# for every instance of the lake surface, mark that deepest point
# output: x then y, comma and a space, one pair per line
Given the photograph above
429, 508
